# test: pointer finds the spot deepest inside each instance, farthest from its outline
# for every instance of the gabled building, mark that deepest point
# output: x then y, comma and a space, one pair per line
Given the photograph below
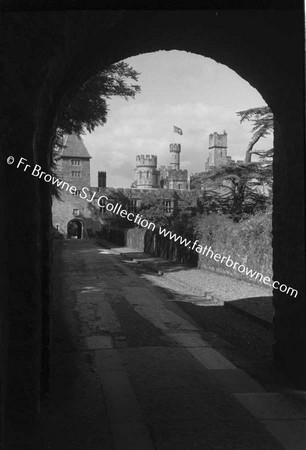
73, 162
73, 167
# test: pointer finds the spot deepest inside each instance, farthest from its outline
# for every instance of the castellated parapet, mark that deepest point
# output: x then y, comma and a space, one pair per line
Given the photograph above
175, 148
146, 161
217, 140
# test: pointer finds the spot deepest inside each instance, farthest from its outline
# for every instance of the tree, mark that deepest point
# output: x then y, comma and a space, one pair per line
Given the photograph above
186, 212
153, 208
176, 211
199, 180
88, 108
236, 190
263, 125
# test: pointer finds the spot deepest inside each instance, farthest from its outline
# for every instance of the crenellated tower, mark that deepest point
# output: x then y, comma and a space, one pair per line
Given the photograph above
146, 173
175, 150
217, 140
217, 155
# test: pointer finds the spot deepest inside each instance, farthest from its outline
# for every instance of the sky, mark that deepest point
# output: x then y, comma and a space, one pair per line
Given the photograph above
192, 92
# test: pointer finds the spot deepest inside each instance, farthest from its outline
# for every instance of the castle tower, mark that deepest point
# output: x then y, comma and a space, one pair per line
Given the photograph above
175, 150
217, 140
217, 151
102, 179
146, 173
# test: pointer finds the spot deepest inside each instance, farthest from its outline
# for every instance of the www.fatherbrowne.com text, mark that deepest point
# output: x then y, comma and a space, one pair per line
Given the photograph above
102, 201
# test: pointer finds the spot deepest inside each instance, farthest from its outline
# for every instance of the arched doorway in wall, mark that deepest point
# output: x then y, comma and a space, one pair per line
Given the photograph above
75, 229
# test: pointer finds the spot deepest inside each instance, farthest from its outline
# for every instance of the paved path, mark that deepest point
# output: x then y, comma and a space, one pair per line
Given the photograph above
131, 373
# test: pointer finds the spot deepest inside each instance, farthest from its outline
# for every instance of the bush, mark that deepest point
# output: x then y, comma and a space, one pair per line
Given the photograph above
248, 242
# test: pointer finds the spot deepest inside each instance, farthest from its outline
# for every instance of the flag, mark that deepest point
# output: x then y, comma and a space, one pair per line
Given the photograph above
177, 130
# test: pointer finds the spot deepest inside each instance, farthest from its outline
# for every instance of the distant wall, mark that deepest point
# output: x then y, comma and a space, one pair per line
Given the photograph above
156, 245
248, 243
135, 238
117, 235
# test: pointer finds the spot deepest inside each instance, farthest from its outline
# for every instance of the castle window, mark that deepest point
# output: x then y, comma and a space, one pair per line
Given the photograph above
77, 192
76, 212
168, 206
75, 162
76, 174
132, 206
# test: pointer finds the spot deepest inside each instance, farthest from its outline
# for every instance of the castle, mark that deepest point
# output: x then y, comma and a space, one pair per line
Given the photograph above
147, 176
78, 213
75, 215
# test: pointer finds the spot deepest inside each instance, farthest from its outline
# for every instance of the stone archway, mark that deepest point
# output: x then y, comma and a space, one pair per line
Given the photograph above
47, 59
75, 229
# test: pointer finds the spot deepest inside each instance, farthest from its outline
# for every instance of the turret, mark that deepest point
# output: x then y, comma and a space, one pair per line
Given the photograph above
175, 150
146, 173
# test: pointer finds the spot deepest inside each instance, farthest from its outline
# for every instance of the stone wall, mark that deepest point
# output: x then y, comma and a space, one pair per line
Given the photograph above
86, 207
154, 244
248, 243
135, 238
70, 207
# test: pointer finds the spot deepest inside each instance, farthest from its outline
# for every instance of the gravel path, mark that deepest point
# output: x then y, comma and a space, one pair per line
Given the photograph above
219, 286
198, 282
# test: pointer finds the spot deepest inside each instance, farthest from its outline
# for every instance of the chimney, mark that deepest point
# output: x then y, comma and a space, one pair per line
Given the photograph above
102, 179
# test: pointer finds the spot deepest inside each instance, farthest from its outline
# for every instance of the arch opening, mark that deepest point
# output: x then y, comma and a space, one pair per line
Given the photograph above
228, 49
271, 61
75, 229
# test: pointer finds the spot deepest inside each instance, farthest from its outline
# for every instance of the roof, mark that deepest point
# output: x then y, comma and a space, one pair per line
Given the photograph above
74, 147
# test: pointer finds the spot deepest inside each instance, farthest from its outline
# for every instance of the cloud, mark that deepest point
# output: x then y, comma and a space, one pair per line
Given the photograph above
201, 97
148, 129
